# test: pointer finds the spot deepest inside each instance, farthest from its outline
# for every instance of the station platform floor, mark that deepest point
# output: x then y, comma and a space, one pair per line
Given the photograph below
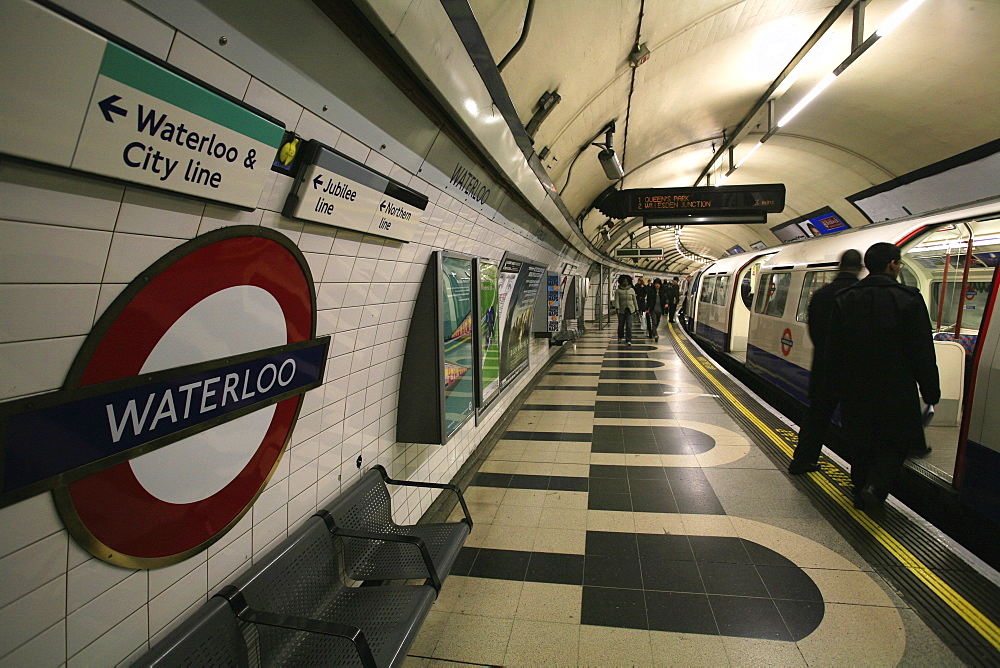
625, 518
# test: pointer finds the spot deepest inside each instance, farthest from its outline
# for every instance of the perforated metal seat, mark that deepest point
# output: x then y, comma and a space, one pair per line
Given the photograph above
209, 637
367, 507
304, 578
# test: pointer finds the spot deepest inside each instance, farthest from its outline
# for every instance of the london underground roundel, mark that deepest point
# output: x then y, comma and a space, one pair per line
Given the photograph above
214, 345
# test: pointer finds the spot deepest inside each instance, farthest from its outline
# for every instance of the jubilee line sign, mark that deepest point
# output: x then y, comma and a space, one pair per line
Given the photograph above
333, 189
112, 112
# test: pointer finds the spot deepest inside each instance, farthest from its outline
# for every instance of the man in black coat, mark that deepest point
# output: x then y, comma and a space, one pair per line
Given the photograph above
672, 293
821, 404
880, 351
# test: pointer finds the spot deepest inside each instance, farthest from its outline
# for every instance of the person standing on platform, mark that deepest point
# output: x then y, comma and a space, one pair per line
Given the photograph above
880, 352
641, 290
655, 299
672, 295
625, 306
821, 404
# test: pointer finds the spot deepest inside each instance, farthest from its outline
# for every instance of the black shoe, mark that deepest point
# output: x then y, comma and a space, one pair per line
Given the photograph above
798, 468
628, 344
869, 499
656, 338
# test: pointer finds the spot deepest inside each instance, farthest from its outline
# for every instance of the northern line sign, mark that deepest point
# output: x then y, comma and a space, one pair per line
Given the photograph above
107, 110
333, 189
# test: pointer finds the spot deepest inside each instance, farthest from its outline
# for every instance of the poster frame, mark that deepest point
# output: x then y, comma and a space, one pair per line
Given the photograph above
526, 265
484, 403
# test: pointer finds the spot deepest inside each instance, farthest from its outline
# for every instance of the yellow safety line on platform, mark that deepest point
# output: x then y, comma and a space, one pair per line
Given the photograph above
976, 619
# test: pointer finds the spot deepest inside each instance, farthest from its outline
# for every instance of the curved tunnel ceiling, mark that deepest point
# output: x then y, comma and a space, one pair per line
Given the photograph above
928, 90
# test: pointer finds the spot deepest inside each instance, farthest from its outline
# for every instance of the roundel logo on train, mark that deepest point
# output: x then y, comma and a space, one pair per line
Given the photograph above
786, 342
180, 402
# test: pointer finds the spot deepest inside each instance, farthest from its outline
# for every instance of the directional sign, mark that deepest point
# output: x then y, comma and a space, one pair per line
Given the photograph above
652, 253
334, 190
107, 110
148, 125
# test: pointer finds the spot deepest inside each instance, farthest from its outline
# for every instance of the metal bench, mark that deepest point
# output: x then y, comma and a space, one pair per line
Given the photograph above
295, 607
376, 548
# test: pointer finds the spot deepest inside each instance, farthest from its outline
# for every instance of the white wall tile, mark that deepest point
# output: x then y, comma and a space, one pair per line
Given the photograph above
91, 621
268, 530
159, 214
46, 311
241, 527
132, 253
122, 640
39, 195
379, 163
270, 101
208, 66
33, 253
48, 648
219, 215
30, 615
191, 589
127, 21
35, 366
302, 479
26, 522
161, 579
311, 126
226, 561
91, 579
353, 148
271, 499
32, 566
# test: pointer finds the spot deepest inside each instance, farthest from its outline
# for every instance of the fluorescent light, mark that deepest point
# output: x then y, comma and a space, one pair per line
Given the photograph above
472, 107
898, 17
744, 158
810, 96
722, 180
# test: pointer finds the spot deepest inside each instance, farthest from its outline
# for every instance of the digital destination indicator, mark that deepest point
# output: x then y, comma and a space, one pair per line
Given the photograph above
767, 198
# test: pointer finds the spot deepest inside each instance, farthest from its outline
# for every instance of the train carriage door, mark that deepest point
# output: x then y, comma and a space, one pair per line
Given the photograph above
741, 304
955, 268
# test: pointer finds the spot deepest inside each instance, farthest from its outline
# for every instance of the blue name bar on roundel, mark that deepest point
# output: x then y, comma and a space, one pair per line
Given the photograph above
56, 438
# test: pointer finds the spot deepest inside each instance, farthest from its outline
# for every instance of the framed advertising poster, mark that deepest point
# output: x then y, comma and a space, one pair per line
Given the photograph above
488, 330
459, 354
518, 282
438, 384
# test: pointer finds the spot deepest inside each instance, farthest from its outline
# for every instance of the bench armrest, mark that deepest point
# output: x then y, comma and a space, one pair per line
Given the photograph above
244, 612
434, 578
435, 485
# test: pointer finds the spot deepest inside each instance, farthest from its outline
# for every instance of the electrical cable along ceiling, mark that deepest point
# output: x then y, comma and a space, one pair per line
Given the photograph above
846, 95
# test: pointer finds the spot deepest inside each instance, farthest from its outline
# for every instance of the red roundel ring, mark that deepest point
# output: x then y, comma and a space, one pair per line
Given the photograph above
111, 513
786, 342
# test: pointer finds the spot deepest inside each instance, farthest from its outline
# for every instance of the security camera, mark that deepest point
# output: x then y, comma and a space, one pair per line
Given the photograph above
609, 161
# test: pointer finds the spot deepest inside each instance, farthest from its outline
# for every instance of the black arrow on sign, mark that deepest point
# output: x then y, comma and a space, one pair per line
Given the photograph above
108, 107
318, 182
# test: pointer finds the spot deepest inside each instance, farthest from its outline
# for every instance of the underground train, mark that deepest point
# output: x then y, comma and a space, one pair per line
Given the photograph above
751, 308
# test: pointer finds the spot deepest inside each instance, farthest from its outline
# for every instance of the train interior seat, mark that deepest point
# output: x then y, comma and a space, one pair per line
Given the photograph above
951, 369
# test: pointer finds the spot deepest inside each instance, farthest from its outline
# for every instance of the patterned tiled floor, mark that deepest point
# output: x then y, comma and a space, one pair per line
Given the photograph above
624, 519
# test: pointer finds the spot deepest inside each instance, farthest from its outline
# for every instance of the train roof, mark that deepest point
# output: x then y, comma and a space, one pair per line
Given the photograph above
828, 249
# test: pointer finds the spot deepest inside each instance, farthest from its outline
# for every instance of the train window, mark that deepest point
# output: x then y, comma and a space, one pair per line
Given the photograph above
774, 294
974, 302
721, 288
707, 289
813, 282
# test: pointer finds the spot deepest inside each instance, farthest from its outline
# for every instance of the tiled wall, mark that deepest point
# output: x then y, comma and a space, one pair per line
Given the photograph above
70, 243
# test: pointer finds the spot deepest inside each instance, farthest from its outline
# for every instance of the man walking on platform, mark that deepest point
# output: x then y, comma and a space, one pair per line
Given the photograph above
672, 296
625, 306
821, 404
655, 298
880, 351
